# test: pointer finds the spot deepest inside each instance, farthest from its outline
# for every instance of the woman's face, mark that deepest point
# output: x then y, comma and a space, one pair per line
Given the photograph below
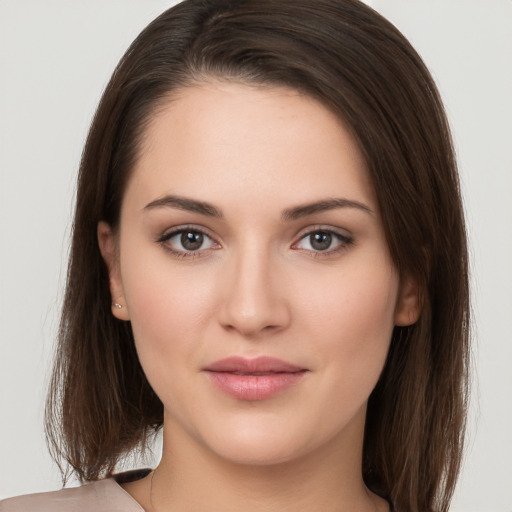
250, 230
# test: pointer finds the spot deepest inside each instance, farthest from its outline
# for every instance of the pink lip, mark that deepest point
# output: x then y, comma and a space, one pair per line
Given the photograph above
253, 379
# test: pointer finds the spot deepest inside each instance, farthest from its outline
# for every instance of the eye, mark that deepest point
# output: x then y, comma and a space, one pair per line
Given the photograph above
323, 240
186, 241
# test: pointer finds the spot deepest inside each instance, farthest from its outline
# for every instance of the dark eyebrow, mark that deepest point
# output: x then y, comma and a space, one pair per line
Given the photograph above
183, 203
322, 206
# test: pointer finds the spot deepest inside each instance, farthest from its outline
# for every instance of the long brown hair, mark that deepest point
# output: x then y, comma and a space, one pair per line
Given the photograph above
341, 52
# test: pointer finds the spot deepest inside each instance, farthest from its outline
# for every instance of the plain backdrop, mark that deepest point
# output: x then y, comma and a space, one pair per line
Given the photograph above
55, 59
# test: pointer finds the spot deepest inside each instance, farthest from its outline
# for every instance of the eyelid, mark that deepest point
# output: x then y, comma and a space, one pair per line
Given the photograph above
343, 233
176, 230
344, 238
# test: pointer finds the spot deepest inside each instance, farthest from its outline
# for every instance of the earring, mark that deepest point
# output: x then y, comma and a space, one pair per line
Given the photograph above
116, 305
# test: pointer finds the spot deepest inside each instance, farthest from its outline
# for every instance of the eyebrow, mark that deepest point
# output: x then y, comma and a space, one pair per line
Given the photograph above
183, 203
290, 214
322, 206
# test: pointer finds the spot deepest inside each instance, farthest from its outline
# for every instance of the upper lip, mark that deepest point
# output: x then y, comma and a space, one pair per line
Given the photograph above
263, 364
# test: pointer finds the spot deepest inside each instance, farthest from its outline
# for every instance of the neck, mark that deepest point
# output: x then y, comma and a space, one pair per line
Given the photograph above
191, 478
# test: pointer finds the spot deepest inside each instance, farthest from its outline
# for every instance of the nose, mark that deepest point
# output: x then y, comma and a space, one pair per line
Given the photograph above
254, 294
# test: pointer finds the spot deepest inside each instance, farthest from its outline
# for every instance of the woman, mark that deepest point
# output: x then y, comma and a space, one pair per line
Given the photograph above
269, 263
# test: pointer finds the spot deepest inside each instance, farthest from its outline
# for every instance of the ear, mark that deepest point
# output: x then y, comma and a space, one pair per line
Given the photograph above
408, 305
108, 247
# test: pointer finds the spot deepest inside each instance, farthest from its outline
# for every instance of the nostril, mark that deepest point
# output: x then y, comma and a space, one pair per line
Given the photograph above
253, 304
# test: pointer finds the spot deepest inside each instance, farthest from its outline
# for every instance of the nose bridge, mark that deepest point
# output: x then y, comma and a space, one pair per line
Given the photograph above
253, 299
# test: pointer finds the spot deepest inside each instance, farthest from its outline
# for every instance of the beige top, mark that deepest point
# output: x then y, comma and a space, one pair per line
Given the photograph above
101, 496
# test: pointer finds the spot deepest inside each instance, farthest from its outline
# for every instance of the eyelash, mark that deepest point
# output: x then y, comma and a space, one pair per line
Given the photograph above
344, 242
183, 254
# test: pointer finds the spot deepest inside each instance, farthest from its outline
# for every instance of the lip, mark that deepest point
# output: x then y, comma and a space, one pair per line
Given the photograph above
253, 379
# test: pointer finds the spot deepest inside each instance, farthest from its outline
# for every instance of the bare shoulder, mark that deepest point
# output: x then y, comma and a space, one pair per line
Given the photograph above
100, 496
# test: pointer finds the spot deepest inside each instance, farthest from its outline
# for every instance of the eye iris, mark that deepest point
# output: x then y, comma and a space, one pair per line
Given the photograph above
321, 240
191, 240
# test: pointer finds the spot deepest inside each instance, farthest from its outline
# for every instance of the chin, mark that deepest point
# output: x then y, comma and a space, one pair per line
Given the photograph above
259, 445
259, 454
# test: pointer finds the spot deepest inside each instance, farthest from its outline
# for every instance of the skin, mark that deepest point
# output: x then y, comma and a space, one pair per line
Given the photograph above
258, 285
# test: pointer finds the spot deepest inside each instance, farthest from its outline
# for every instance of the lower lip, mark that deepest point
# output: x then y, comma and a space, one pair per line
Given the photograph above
254, 387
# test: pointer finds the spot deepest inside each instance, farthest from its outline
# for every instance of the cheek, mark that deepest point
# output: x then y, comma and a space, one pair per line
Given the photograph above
358, 301
160, 291
168, 310
352, 333
352, 320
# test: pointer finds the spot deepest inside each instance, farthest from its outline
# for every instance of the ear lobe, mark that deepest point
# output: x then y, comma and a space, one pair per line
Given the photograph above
108, 248
408, 306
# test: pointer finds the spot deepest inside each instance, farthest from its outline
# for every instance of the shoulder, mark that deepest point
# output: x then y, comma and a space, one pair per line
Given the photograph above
101, 496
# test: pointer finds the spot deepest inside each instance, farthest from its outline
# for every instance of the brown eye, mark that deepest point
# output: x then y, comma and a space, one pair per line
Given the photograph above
187, 241
191, 240
321, 240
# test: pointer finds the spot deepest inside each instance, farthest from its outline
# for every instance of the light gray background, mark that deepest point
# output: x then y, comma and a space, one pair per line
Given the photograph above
55, 59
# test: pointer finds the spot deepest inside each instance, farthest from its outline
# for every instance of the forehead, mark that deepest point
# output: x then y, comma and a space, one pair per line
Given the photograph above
219, 140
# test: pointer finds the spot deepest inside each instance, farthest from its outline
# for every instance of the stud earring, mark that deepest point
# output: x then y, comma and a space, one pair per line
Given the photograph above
116, 305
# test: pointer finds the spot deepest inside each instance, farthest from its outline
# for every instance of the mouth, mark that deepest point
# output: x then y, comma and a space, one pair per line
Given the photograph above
253, 379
